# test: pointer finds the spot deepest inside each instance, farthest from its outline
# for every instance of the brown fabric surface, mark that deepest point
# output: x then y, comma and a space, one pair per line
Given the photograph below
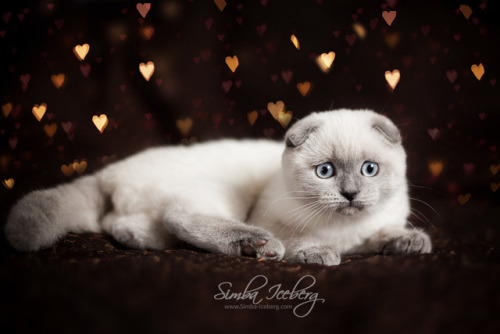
88, 283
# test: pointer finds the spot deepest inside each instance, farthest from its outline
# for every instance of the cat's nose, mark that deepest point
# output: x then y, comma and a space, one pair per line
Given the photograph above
349, 195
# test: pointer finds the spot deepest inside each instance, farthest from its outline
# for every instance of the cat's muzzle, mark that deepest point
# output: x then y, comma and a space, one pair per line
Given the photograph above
350, 208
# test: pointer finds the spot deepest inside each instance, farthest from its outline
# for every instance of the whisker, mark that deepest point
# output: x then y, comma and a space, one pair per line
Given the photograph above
413, 185
426, 204
317, 213
310, 217
421, 217
304, 221
294, 215
300, 208
282, 198
300, 215
414, 212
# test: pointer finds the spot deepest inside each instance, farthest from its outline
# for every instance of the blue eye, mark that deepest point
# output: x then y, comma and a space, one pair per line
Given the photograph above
325, 170
369, 169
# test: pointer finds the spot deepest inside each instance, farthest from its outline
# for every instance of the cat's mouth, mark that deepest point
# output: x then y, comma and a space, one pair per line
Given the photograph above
350, 208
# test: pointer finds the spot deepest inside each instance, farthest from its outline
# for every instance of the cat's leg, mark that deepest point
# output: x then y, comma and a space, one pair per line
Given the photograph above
137, 231
312, 252
222, 235
397, 240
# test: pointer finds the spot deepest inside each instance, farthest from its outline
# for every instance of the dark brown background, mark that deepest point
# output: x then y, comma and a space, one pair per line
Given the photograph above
89, 283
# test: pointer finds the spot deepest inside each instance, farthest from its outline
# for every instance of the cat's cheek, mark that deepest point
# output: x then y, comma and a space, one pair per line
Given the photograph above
382, 185
311, 183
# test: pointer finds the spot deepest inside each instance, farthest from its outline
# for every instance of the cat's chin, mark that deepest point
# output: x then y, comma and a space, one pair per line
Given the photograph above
350, 209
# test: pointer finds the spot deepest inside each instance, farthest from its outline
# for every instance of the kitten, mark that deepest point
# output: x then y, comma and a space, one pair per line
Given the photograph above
342, 190
340, 187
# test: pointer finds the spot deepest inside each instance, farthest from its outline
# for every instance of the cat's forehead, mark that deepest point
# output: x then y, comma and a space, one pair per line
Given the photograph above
347, 136
350, 135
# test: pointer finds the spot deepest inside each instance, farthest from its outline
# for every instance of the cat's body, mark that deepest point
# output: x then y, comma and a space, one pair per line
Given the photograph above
204, 194
198, 194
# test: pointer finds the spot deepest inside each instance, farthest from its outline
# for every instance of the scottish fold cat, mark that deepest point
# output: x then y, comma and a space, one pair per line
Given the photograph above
337, 185
342, 189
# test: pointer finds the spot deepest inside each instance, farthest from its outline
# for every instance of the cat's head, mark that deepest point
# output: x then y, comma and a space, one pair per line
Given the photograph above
347, 161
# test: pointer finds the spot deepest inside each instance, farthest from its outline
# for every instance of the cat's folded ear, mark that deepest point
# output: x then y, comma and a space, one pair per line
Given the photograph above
301, 130
387, 129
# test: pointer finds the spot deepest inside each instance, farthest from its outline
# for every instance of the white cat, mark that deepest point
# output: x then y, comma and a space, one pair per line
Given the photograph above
342, 189
339, 187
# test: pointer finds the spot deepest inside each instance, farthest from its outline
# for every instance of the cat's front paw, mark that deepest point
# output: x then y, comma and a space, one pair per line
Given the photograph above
262, 247
413, 242
324, 255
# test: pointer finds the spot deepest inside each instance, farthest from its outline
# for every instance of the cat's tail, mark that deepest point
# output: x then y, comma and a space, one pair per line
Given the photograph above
42, 217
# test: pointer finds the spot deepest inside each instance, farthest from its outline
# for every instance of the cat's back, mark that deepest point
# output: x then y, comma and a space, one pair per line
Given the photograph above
218, 178
226, 160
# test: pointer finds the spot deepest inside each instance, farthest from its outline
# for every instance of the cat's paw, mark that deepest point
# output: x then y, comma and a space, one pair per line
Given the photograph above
324, 255
262, 246
413, 242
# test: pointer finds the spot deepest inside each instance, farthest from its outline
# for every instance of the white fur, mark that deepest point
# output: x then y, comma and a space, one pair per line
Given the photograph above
217, 179
280, 213
306, 212
202, 194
